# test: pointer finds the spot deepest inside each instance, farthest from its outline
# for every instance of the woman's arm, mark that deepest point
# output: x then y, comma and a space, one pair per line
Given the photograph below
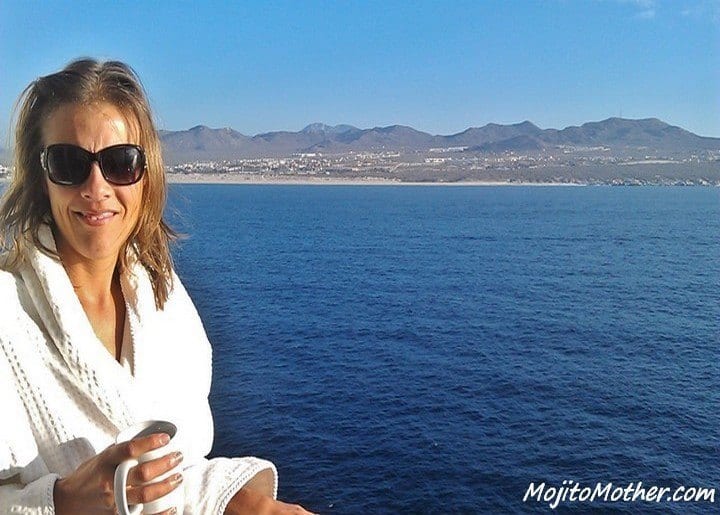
26, 486
256, 497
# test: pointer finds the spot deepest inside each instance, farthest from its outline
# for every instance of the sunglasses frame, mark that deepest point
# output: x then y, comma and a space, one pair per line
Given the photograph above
93, 157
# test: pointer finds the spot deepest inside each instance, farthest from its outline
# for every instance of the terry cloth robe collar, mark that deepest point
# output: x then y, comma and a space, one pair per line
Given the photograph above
112, 388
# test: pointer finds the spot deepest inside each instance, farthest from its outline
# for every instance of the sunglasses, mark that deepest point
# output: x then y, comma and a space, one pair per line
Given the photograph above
70, 165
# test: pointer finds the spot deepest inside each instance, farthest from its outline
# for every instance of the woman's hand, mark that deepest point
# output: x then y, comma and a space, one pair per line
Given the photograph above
89, 490
255, 498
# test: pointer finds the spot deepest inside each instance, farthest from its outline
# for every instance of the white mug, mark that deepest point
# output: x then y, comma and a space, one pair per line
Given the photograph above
172, 499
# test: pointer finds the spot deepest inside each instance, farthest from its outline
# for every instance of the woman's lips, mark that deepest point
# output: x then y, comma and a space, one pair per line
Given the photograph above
96, 218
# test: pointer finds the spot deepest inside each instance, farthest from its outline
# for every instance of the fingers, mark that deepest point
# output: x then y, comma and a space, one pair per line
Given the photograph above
149, 470
136, 447
142, 494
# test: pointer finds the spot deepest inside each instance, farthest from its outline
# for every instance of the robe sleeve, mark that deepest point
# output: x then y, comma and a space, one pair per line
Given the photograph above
26, 486
209, 483
35, 498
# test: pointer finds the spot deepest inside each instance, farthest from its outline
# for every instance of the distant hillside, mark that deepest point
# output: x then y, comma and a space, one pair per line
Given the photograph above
489, 134
618, 135
619, 132
201, 142
614, 136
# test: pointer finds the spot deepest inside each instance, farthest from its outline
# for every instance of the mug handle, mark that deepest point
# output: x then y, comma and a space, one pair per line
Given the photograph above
119, 485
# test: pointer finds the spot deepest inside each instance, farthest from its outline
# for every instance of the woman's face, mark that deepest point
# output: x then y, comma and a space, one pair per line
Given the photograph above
94, 219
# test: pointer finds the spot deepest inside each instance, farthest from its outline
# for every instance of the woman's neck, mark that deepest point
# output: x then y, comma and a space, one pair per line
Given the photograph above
94, 282
97, 286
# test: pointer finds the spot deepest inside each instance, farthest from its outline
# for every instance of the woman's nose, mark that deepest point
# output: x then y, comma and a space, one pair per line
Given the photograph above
95, 187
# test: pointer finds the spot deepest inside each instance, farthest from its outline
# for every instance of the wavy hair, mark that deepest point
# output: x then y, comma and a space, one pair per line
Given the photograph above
25, 207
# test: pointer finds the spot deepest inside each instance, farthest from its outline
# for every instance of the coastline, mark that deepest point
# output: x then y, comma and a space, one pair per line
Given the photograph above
239, 179
198, 178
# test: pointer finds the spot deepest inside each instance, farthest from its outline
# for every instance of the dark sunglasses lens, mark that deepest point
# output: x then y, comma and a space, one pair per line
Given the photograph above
67, 165
122, 164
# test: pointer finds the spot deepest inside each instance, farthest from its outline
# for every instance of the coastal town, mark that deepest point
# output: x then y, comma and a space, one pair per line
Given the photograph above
580, 166
589, 166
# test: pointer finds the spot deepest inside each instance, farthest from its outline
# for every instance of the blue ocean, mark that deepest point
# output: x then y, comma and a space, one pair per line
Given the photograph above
402, 349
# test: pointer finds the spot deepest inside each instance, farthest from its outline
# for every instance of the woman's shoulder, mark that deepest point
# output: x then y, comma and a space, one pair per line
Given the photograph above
178, 297
12, 288
9, 278
180, 306
12, 293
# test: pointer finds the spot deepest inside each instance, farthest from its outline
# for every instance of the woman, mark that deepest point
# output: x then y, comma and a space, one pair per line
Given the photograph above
96, 330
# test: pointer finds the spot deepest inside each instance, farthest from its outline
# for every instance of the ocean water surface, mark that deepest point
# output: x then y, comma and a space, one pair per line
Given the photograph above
398, 349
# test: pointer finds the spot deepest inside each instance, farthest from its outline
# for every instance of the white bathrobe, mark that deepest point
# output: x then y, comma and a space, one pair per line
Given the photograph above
64, 398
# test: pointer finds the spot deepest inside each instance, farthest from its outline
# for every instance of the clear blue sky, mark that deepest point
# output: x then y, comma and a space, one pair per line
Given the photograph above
437, 66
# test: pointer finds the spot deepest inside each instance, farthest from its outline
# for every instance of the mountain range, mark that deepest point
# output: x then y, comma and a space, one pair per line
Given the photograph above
614, 136
617, 135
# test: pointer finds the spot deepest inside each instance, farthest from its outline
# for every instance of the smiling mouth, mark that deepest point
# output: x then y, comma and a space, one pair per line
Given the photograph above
95, 218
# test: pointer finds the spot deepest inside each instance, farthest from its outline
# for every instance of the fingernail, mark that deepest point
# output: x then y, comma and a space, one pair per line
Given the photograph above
164, 438
173, 511
175, 479
176, 458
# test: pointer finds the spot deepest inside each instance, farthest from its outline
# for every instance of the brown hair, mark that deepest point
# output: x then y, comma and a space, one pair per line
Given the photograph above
25, 206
